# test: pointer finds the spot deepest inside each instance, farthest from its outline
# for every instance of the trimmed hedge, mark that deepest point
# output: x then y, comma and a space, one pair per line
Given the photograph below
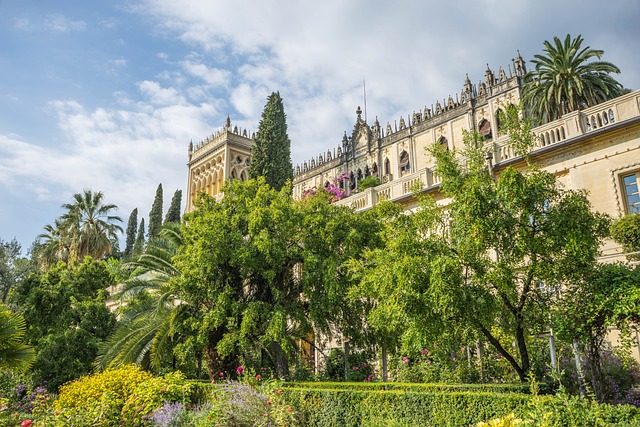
420, 387
345, 408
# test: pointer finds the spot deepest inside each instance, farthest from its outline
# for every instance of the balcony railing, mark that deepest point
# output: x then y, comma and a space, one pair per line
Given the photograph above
569, 126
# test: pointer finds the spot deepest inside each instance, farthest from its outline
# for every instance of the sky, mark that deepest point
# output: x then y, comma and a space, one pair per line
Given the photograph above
106, 95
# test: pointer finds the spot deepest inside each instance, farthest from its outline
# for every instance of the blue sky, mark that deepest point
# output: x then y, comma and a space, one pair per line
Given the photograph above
106, 95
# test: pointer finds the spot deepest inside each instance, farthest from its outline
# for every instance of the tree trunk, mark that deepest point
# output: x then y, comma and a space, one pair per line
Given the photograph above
282, 364
522, 374
522, 348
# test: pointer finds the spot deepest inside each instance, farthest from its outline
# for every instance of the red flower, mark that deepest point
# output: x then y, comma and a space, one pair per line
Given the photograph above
269, 402
26, 423
279, 390
289, 409
258, 377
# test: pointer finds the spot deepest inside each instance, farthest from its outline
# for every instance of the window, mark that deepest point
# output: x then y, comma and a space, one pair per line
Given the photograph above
484, 127
631, 194
404, 162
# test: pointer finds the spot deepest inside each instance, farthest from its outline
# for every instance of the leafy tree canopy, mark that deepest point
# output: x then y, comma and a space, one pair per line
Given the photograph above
260, 271
66, 318
271, 154
482, 262
566, 79
155, 215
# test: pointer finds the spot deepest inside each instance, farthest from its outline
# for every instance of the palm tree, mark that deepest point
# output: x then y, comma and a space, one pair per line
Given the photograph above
14, 353
53, 245
144, 331
564, 80
90, 225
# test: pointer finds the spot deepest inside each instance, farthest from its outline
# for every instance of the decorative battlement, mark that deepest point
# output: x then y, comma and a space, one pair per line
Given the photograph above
219, 137
470, 96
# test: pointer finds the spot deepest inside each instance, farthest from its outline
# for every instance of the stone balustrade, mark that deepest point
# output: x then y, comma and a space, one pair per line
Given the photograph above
570, 126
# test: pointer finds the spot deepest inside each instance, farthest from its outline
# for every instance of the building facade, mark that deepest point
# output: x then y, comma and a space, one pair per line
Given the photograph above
596, 149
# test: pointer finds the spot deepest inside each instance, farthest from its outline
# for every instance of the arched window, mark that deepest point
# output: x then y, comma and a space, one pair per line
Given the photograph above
359, 175
374, 169
404, 162
443, 143
367, 171
352, 181
387, 166
484, 127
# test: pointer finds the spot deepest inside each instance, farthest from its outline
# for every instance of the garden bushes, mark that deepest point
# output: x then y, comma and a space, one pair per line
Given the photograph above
344, 407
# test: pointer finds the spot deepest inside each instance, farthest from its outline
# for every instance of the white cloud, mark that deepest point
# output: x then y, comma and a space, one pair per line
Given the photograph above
62, 24
22, 24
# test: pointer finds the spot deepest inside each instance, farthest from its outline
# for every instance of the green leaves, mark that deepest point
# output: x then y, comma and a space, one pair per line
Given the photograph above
271, 154
564, 80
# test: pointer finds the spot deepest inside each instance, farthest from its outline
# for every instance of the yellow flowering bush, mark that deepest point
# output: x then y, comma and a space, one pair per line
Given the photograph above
98, 399
151, 394
508, 421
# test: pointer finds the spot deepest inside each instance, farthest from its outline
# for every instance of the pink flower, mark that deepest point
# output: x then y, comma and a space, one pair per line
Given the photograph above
434, 344
221, 374
258, 377
454, 359
364, 365
425, 351
405, 360
289, 409
279, 390
240, 370
26, 423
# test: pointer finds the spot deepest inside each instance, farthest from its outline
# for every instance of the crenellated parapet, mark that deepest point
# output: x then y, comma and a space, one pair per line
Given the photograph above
219, 136
479, 103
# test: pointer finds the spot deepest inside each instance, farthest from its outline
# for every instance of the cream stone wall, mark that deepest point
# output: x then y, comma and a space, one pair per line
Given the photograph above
219, 157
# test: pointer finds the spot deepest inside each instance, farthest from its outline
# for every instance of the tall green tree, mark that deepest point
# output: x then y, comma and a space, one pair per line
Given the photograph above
53, 245
132, 226
261, 272
139, 244
566, 79
608, 297
173, 214
13, 267
155, 215
87, 228
484, 261
14, 352
271, 154
67, 318
626, 231
149, 308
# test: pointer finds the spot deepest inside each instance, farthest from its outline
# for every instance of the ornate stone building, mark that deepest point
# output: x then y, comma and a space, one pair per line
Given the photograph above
597, 149
221, 156
396, 151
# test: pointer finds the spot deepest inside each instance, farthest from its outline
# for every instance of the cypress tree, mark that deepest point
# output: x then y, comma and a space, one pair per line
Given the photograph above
138, 246
132, 226
155, 216
173, 214
271, 154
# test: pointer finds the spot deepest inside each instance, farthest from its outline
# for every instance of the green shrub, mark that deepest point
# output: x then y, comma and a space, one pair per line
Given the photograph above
152, 394
359, 368
519, 387
97, 400
335, 407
